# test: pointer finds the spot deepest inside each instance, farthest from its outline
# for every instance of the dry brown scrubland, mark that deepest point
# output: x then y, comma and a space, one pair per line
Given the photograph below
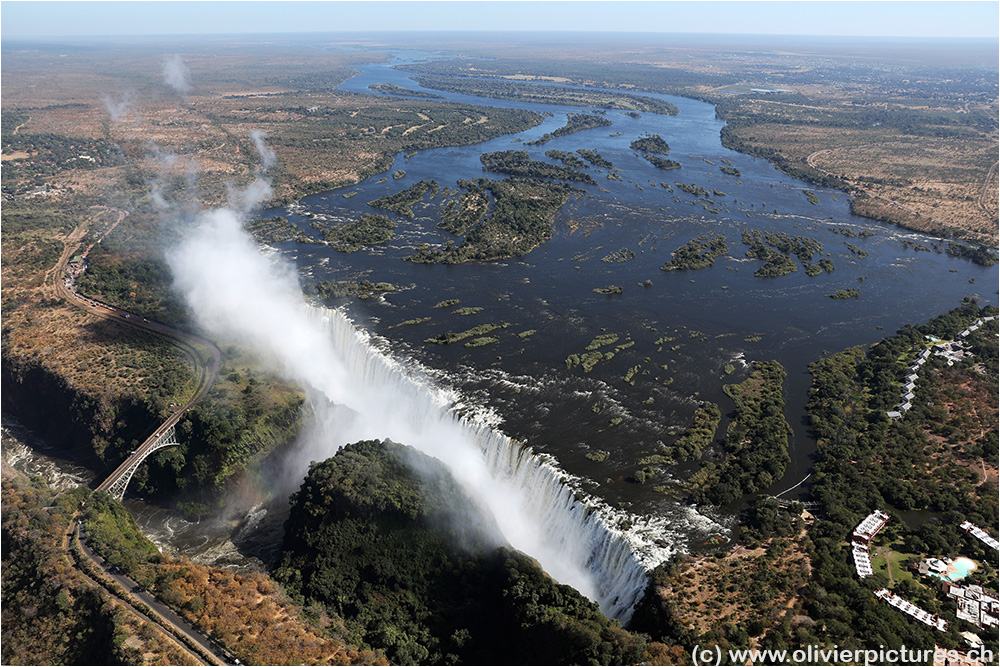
926, 183
201, 138
758, 586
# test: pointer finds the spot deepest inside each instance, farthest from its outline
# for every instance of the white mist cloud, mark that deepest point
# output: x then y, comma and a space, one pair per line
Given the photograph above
177, 75
117, 107
244, 200
173, 175
267, 155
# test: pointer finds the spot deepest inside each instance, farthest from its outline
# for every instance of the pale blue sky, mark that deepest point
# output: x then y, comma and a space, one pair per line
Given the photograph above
36, 18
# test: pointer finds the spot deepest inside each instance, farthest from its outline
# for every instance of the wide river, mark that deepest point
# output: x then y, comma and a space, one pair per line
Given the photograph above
715, 317
683, 337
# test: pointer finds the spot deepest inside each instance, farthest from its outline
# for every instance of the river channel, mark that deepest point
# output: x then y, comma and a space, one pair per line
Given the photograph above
716, 317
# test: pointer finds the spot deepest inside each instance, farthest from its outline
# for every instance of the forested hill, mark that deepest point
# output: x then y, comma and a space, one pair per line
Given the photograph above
412, 567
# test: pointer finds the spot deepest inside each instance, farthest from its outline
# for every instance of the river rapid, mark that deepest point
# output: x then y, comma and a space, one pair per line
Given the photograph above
682, 337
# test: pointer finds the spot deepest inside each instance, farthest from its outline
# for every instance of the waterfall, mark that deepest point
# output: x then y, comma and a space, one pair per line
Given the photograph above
361, 393
575, 537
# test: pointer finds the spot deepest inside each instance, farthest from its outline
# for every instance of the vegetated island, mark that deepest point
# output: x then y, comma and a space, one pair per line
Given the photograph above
693, 441
393, 89
519, 221
543, 94
462, 214
575, 122
569, 159
849, 293
592, 353
651, 143
595, 158
277, 229
661, 163
692, 189
698, 253
369, 229
518, 163
402, 202
338, 289
412, 565
774, 248
652, 147
756, 442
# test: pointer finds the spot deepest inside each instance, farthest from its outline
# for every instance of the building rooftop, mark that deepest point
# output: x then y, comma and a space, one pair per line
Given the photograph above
911, 609
978, 532
862, 561
872, 523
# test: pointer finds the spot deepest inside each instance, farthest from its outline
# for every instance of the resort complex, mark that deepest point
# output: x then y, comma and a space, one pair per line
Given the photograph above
952, 351
974, 605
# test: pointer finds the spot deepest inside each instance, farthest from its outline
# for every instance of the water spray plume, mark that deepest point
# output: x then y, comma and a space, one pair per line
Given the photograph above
267, 155
357, 392
117, 107
177, 75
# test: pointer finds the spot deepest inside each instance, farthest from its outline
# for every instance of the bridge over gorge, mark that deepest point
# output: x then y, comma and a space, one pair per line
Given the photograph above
165, 436
203, 354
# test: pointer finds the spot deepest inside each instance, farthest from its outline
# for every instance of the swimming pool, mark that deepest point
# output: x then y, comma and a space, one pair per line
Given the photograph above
958, 569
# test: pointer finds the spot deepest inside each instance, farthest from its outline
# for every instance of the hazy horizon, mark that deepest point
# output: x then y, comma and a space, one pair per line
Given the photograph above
975, 20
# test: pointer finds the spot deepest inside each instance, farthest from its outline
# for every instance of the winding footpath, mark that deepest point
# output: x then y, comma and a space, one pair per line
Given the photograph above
986, 185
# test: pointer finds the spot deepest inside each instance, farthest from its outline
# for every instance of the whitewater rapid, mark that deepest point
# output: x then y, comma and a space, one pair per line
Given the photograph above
539, 508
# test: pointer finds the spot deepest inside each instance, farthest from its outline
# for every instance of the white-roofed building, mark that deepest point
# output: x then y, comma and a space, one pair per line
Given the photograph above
867, 529
862, 561
911, 609
975, 530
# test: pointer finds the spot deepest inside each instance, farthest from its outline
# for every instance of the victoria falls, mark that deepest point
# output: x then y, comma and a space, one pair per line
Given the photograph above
565, 339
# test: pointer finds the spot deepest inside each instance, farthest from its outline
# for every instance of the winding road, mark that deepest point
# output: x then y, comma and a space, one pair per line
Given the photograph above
207, 360
204, 355
130, 593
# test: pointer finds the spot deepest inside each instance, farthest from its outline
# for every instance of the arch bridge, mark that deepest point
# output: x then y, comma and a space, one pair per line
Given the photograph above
116, 484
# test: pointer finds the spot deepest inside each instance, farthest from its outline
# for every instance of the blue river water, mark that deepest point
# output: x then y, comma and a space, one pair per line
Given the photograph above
682, 338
